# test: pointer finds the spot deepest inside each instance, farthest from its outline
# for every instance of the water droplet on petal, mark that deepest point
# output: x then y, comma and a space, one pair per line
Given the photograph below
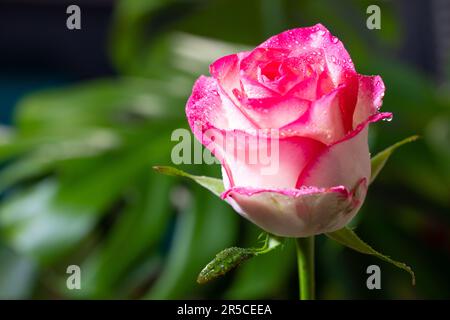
334, 39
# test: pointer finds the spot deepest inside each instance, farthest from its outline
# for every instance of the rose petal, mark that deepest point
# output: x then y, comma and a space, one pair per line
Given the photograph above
267, 161
275, 112
343, 163
206, 108
370, 98
324, 84
226, 71
298, 212
250, 71
304, 40
306, 89
252, 89
347, 100
251, 64
323, 120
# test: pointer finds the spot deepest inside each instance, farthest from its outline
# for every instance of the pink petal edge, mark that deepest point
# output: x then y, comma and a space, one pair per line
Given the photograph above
294, 193
298, 212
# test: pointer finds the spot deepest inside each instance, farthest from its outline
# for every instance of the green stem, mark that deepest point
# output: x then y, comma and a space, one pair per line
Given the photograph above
305, 260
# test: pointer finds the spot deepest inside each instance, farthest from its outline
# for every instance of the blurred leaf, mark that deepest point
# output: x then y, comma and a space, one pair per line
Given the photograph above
45, 156
34, 225
17, 275
136, 232
202, 229
98, 103
380, 159
212, 184
348, 238
53, 215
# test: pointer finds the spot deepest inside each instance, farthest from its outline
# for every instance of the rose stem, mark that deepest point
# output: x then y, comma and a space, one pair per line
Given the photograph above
305, 260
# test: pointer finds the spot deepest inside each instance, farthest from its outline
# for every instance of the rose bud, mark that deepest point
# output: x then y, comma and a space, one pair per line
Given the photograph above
289, 122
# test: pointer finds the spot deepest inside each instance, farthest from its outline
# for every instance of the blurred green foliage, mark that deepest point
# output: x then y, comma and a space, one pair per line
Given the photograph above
78, 187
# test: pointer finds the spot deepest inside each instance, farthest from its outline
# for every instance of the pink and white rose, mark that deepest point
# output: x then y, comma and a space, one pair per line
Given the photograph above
303, 84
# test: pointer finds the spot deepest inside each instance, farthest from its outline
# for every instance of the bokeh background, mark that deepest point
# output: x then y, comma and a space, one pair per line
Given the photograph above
85, 114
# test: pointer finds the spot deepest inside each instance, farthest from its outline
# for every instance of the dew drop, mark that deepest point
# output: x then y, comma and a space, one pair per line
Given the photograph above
334, 39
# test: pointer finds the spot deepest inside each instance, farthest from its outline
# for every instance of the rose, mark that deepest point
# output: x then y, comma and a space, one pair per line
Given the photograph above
302, 83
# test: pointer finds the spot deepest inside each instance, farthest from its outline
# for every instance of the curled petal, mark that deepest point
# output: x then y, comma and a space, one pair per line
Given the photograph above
304, 40
253, 89
226, 71
298, 212
307, 89
322, 121
206, 108
344, 162
370, 98
275, 112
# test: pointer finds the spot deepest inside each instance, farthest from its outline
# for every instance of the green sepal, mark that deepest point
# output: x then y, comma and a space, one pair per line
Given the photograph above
212, 184
230, 258
380, 159
348, 238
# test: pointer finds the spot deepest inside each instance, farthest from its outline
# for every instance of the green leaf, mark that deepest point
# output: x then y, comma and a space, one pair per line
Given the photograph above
379, 160
230, 258
212, 184
138, 231
17, 275
348, 238
46, 156
34, 225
